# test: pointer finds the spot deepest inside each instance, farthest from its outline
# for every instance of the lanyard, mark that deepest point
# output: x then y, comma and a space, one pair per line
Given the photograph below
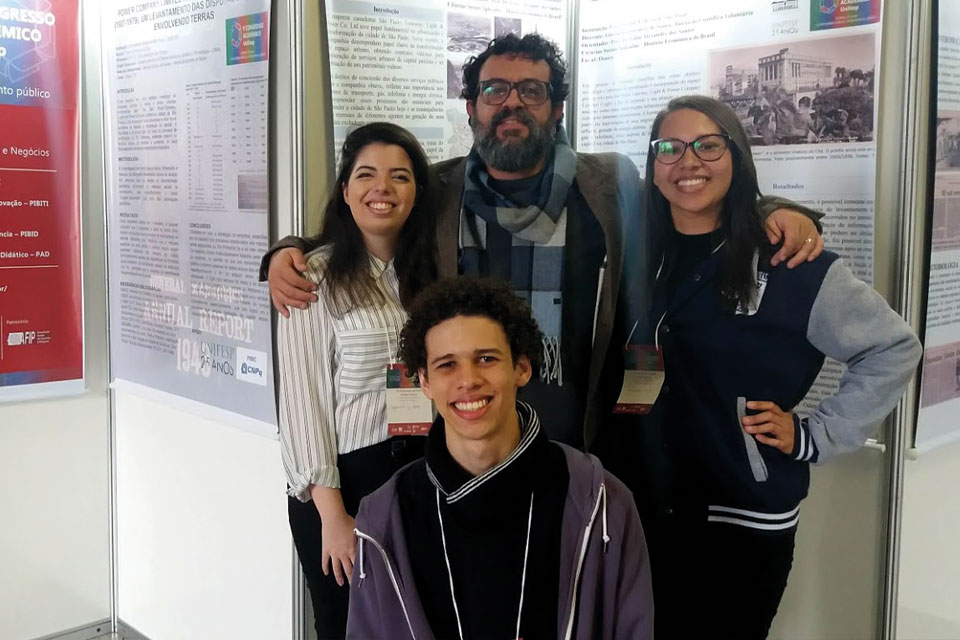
386, 335
523, 576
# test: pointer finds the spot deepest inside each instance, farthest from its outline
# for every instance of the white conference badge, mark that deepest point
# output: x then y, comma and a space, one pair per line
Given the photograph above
409, 411
642, 379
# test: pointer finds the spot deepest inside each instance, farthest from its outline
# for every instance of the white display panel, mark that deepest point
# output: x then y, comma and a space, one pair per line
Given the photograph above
803, 81
186, 137
401, 61
937, 420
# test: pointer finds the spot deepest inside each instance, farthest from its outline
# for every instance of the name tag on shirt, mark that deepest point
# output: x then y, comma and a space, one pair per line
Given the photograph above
642, 379
409, 412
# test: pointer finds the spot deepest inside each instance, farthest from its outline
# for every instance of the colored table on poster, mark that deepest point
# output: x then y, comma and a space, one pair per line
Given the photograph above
41, 302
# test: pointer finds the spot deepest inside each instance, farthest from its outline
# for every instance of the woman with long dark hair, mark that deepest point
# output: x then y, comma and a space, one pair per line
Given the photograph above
742, 342
377, 252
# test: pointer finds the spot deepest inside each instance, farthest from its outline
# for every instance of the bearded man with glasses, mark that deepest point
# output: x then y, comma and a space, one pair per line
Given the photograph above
566, 229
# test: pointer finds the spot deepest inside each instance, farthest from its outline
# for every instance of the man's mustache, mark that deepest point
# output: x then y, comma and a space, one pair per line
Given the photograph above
518, 113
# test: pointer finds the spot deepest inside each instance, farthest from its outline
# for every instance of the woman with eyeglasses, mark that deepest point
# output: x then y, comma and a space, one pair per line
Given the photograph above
742, 342
376, 252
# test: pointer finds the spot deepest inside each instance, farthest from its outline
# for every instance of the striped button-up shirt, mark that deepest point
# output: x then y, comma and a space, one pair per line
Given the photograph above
333, 378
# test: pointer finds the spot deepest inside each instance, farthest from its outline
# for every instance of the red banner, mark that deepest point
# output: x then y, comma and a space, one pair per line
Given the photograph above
41, 301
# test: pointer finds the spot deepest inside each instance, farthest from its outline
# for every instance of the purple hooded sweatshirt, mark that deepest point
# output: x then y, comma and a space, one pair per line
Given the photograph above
605, 591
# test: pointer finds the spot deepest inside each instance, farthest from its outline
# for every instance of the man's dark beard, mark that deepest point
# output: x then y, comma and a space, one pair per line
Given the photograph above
515, 153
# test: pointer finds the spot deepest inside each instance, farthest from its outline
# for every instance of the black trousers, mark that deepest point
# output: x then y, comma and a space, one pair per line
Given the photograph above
716, 580
361, 472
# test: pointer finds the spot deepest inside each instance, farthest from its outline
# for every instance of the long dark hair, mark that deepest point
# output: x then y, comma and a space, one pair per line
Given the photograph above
347, 273
740, 225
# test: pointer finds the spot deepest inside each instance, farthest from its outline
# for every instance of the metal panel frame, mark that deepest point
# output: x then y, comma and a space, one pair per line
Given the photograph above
902, 151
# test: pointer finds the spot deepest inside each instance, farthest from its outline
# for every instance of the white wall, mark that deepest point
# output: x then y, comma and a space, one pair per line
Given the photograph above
834, 588
930, 550
204, 547
55, 531
54, 454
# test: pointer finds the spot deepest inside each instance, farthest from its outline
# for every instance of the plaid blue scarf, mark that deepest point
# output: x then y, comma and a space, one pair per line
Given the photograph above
524, 245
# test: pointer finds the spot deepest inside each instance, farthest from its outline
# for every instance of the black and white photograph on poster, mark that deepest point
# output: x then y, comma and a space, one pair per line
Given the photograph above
468, 33
454, 81
808, 91
502, 26
948, 141
461, 138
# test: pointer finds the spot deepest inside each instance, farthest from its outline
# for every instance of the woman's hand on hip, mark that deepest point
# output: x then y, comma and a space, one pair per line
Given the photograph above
339, 547
772, 426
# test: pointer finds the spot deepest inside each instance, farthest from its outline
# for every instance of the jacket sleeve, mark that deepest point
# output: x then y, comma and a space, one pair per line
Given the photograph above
852, 323
305, 245
307, 397
634, 595
634, 300
768, 204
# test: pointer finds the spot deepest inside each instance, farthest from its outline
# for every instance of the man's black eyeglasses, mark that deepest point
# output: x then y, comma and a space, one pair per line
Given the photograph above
532, 93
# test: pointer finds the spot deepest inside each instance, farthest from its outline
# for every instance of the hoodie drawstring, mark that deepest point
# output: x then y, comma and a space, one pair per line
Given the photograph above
526, 553
523, 576
363, 574
606, 538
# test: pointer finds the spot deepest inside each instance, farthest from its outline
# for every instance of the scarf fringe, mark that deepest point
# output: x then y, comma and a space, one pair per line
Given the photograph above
552, 367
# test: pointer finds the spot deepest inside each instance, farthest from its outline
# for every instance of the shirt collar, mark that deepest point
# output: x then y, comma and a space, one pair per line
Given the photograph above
378, 266
453, 481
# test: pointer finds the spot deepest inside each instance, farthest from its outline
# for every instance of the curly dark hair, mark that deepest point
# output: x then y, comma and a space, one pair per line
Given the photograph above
468, 296
532, 46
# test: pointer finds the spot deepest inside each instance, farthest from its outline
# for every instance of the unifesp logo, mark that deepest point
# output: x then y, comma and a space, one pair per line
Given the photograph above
828, 6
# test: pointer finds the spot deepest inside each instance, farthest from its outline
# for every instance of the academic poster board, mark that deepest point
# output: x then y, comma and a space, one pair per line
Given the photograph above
41, 300
186, 89
801, 74
401, 61
938, 420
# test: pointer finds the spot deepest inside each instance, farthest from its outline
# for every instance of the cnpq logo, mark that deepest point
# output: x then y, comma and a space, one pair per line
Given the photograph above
252, 370
251, 366
20, 338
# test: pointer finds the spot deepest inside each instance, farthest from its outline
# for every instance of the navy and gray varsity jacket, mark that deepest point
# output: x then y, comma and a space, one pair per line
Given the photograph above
717, 359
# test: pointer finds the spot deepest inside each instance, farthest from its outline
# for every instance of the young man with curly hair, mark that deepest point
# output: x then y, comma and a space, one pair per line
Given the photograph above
498, 532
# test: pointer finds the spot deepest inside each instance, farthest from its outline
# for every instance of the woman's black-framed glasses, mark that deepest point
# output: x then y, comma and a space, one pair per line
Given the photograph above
532, 93
709, 148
